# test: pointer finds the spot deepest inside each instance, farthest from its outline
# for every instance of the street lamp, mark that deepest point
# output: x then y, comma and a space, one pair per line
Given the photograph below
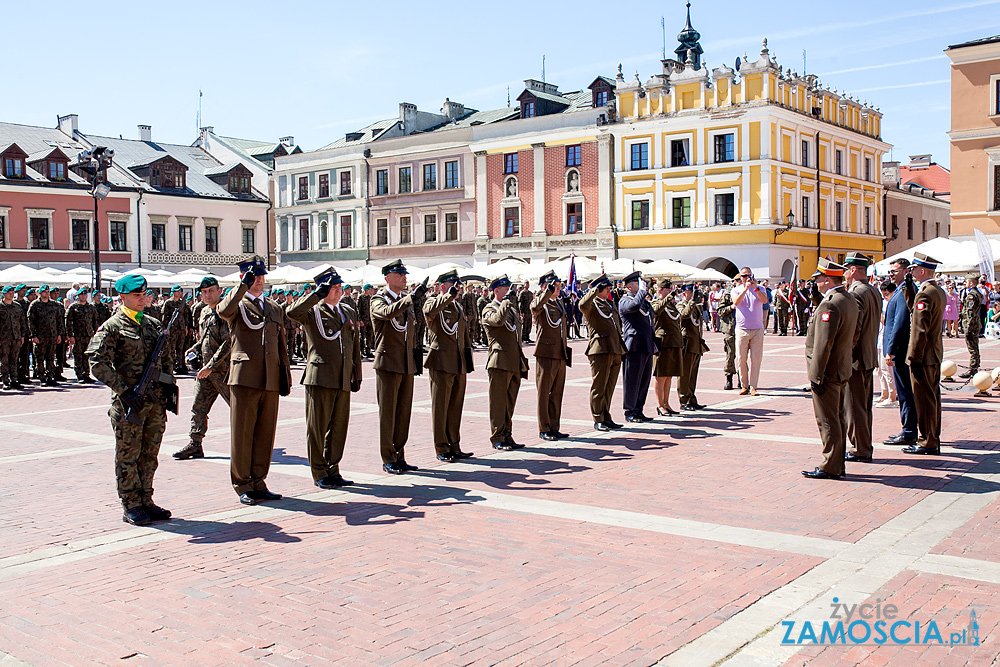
96, 163
789, 223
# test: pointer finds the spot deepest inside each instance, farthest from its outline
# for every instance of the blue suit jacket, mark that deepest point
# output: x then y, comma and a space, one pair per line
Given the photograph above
896, 335
637, 322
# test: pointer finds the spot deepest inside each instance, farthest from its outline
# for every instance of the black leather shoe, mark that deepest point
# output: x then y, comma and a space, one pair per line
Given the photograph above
264, 494
635, 419
820, 474
601, 426
247, 499
851, 456
612, 424
688, 408
192, 450
325, 483
547, 435
914, 449
698, 406
560, 435
899, 440
503, 446
393, 469
729, 383
137, 517
338, 480
447, 458
514, 445
462, 455
406, 466
967, 374
645, 418
155, 512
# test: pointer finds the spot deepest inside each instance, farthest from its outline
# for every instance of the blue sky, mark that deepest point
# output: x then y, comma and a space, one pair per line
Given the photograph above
317, 70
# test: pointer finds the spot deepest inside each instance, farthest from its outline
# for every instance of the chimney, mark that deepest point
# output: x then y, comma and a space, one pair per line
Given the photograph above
408, 117
452, 110
68, 124
287, 142
890, 174
145, 133
920, 161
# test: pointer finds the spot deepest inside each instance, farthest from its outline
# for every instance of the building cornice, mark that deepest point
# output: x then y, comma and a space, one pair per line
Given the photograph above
975, 133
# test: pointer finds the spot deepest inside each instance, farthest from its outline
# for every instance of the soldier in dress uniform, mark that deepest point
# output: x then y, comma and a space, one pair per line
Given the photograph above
365, 320
694, 347
81, 324
180, 331
727, 324
119, 353
972, 301
925, 351
782, 308
12, 336
858, 395
214, 347
47, 325
802, 302
506, 364
832, 335
669, 344
395, 364
637, 332
552, 354
258, 374
448, 362
604, 350
333, 371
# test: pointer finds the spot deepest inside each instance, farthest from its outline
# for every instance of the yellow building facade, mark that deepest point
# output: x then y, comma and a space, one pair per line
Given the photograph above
710, 167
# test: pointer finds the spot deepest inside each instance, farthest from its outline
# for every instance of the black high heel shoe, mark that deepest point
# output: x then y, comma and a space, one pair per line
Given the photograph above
667, 413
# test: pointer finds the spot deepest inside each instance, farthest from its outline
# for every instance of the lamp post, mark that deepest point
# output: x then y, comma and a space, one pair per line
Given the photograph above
789, 223
96, 163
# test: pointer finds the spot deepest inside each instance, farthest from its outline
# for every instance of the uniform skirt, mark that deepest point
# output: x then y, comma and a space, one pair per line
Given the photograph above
668, 362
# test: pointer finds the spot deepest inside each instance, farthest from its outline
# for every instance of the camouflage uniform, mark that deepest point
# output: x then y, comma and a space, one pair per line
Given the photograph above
727, 324
23, 370
469, 303
365, 317
290, 328
118, 355
214, 346
11, 333
971, 301
46, 323
81, 323
175, 344
420, 327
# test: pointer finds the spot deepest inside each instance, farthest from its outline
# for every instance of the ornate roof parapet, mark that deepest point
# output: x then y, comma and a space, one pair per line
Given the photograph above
689, 74
724, 72
764, 63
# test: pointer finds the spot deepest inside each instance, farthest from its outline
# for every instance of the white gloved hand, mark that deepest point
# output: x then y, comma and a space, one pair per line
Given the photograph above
642, 285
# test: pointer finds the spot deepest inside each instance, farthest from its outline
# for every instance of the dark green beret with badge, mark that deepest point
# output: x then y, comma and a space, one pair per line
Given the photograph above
130, 284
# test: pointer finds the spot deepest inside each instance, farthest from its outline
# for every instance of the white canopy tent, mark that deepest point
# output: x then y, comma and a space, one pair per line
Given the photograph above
19, 273
955, 256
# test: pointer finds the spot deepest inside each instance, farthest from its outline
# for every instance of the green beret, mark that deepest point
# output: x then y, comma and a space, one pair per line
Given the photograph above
6, 289
175, 288
43, 288
208, 281
20, 287
31, 291
150, 292
367, 286
130, 284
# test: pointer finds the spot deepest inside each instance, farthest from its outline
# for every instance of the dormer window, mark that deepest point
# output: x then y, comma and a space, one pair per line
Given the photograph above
166, 172
13, 167
57, 171
602, 91
600, 98
239, 185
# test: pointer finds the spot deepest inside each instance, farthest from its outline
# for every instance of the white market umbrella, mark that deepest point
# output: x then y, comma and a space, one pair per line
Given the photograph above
707, 275
621, 267
51, 270
668, 268
19, 273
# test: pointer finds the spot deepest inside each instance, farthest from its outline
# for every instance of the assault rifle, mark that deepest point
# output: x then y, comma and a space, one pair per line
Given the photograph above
151, 374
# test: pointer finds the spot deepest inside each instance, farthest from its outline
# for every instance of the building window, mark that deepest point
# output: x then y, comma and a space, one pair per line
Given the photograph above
923, 230
184, 243
324, 233
118, 238
404, 230
805, 153
682, 212
451, 226
601, 98
895, 227
868, 220
159, 237
167, 176
640, 215
345, 231
640, 156
839, 162
511, 222
430, 177
249, 242
909, 229
239, 184
303, 187
573, 156
574, 218
405, 179
81, 235
40, 233
13, 167
304, 234
528, 109
430, 228
3, 232
996, 184
679, 153
324, 185
57, 171
868, 169
725, 147
996, 98
451, 174
805, 211
345, 182
382, 182
725, 209
382, 231
211, 239
510, 163
838, 214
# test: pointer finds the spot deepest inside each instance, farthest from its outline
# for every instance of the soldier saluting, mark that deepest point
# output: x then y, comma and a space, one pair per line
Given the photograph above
604, 350
925, 351
552, 354
120, 353
505, 363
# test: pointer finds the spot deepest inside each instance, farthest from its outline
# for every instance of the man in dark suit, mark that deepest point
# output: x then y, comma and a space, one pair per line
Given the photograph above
637, 330
925, 352
895, 341
859, 396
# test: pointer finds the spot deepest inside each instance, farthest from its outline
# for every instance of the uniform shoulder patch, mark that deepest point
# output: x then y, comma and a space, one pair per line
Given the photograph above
920, 306
825, 317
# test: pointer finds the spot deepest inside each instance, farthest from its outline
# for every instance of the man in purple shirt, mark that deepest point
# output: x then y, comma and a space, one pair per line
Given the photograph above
749, 299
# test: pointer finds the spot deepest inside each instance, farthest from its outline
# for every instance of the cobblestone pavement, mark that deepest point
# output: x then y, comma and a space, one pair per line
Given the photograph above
689, 541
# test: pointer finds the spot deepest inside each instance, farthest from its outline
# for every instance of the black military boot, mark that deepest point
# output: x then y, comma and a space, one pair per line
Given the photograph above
729, 382
192, 450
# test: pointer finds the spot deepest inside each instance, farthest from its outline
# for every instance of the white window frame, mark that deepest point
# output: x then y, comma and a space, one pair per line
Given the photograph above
217, 224
504, 205
992, 106
437, 176
124, 218
626, 227
668, 211
323, 225
350, 173
688, 139
627, 157
710, 145
340, 223
443, 213
46, 213
993, 161
710, 203
295, 189
5, 226
249, 224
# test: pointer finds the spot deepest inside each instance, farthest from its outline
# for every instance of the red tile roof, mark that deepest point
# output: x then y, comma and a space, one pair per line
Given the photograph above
935, 177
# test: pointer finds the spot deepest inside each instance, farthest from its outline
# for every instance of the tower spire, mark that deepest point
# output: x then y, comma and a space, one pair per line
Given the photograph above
689, 47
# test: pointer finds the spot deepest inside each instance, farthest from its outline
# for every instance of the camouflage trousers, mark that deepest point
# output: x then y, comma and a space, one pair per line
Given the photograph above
24, 361
136, 449
176, 349
290, 342
9, 351
205, 393
729, 343
43, 357
474, 330
80, 364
